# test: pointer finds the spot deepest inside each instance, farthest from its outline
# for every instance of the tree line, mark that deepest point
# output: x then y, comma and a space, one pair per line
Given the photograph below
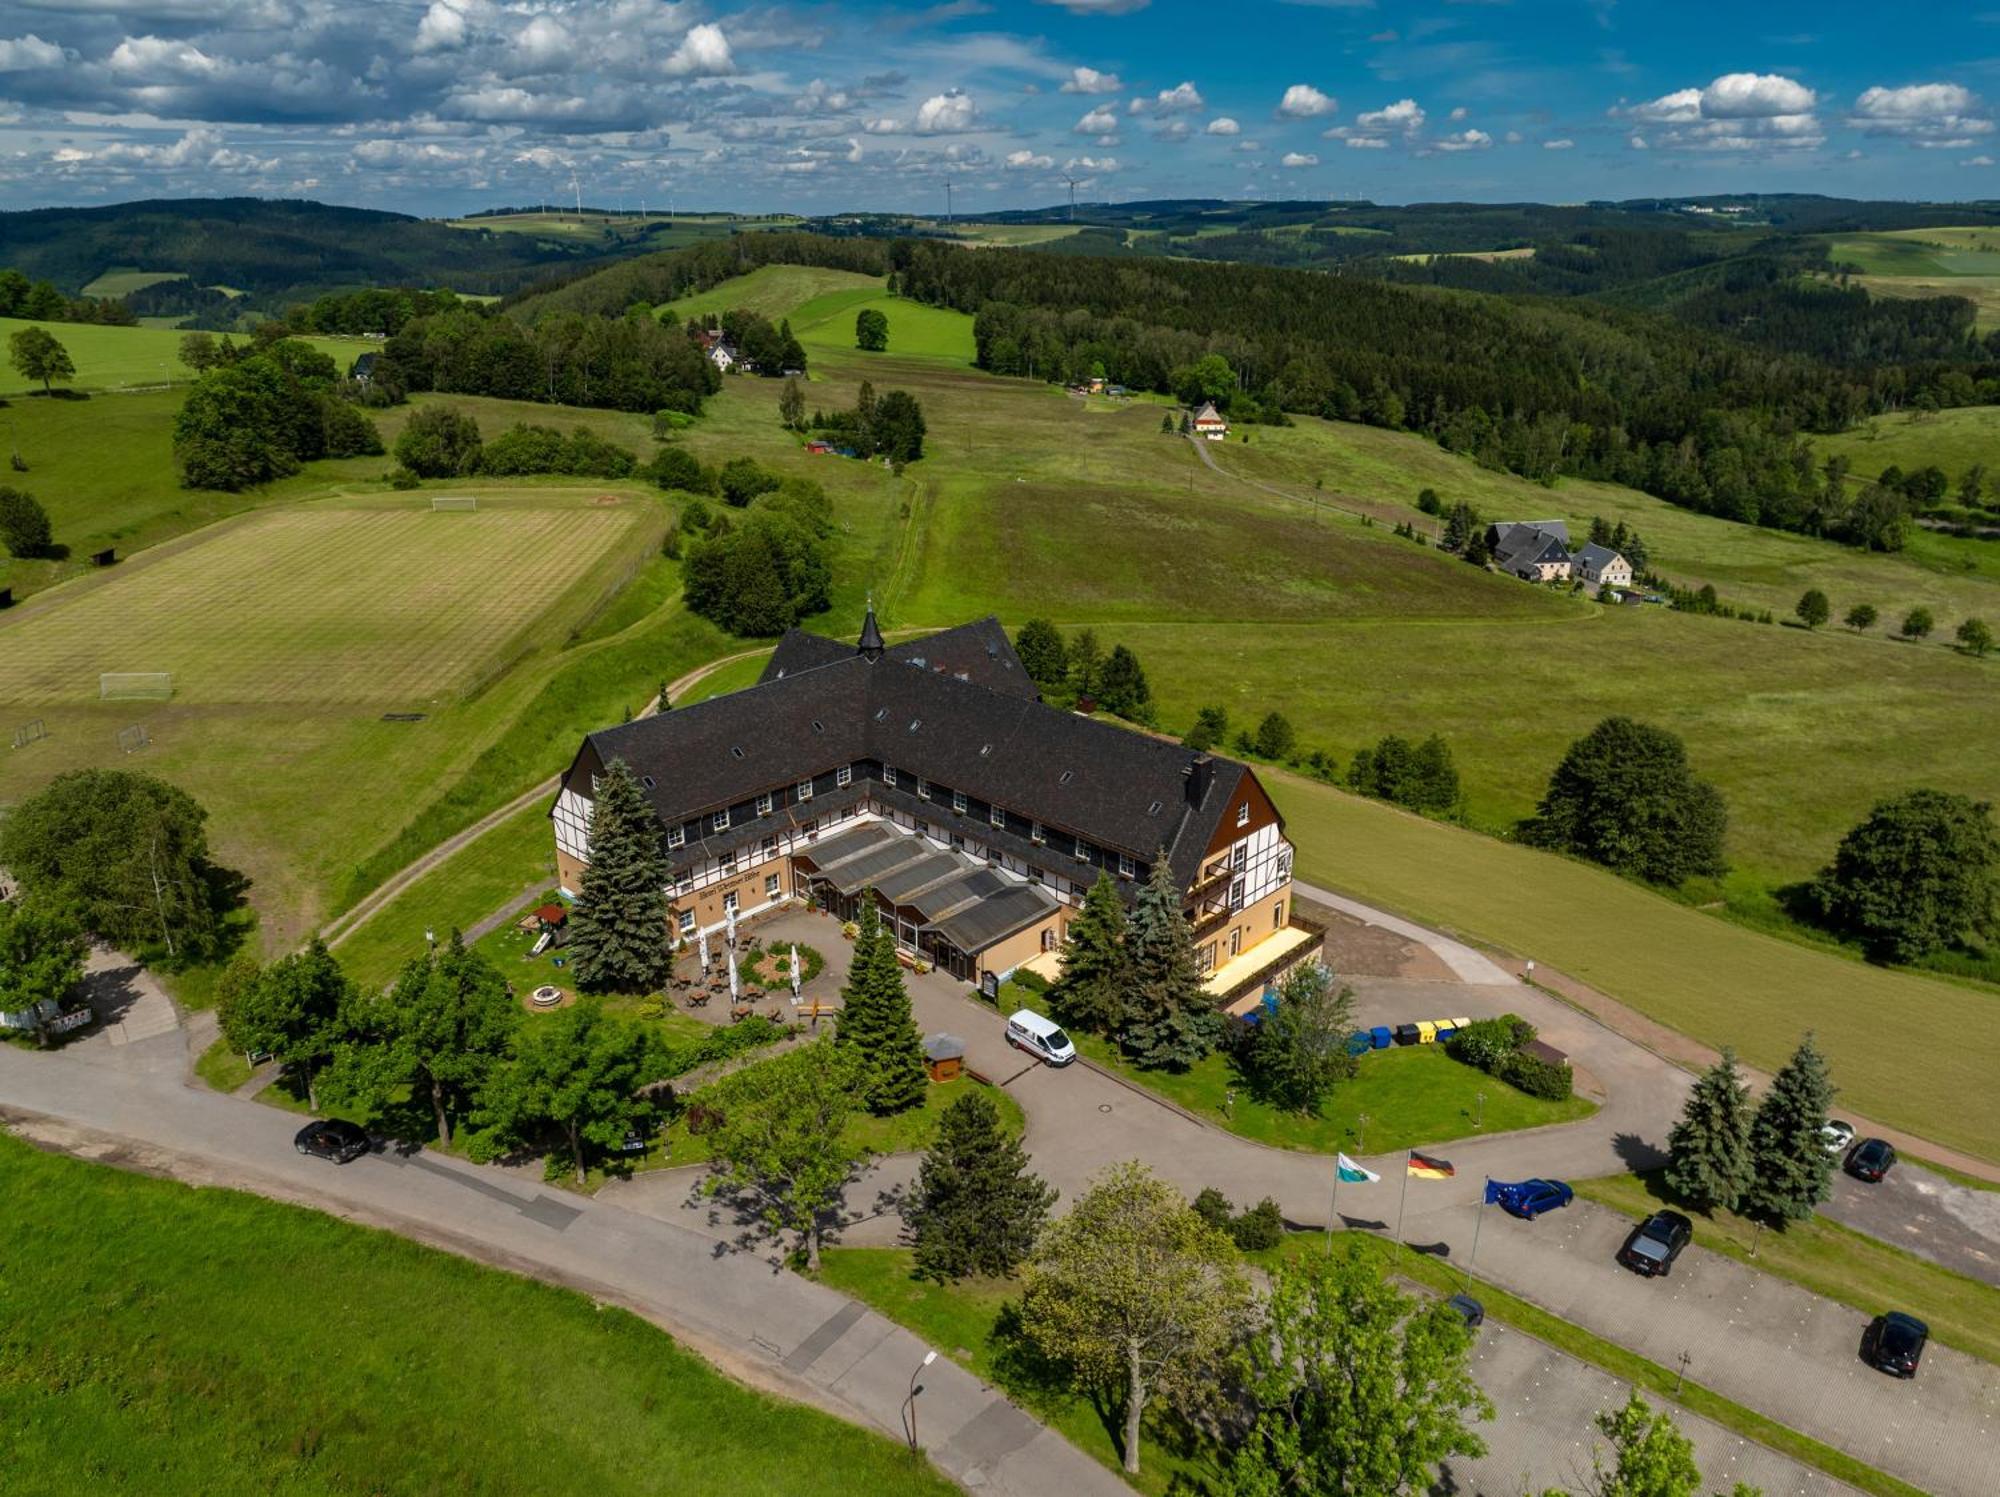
254, 416
441, 441
43, 301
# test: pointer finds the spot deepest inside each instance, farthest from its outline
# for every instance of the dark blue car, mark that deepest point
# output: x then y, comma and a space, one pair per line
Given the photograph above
1528, 1199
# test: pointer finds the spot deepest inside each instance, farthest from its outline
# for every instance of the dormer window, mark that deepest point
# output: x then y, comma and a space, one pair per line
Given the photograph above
996, 816
719, 822
843, 776
677, 836
805, 790
889, 774
923, 788
764, 804
1037, 833
1125, 868
958, 801
1082, 851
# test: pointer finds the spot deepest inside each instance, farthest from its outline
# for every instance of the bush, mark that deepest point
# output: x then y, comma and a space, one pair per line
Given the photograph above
24, 524
743, 479
1535, 1076
403, 478
677, 468
440, 441
1259, 1229
1030, 979
1485, 1044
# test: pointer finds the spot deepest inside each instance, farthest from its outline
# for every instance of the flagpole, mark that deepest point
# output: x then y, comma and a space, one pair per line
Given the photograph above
1404, 1200
1333, 1206
1478, 1220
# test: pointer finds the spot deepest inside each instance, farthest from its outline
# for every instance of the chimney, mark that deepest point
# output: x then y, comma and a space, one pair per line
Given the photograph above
1200, 774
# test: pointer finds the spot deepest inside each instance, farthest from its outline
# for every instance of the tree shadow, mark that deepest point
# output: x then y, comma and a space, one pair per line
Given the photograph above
1636, 1154
57, 394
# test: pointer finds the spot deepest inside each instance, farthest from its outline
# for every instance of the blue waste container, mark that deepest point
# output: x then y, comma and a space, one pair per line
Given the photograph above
1379, 1036
1359, 1042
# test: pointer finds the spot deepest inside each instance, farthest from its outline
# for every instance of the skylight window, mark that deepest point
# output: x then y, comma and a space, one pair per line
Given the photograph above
818, 726
985, 749
916, 723
1154, 808
1065, 777
646, 780
736, 750
881, 714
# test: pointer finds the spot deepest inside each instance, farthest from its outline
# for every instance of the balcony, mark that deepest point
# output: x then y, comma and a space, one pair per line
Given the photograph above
1205, 922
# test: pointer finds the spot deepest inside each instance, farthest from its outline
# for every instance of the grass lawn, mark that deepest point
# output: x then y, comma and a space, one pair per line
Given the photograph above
1953, 440
960, 1321
1706, 977
773, 291
1829, 1259
221, 1067
904, 1133
110, 358
826, 323
1410, 1096
1648, 1377
166, 1340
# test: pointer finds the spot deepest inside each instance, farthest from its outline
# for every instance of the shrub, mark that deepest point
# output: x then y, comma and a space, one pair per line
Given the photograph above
24, 524
677, 468
1485, 1043
439, 442
403, 478
1535, 1076
1030, 979
1259, 1229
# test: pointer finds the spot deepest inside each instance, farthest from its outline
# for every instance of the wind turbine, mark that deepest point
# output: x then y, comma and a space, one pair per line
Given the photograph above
947, 202
573, 187
1072, 197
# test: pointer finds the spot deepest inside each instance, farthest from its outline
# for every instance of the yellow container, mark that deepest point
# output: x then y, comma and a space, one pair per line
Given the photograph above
1427, 1032
1458, 1023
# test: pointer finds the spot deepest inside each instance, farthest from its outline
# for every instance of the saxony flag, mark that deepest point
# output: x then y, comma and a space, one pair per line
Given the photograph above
1427, 1167
1352, 1173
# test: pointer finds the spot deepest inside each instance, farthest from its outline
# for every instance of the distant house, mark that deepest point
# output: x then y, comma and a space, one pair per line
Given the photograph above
1208, 422
362, 371
718, 349
1602, 567
1535, 550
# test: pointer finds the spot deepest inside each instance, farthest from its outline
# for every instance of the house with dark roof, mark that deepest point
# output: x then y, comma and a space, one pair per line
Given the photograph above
932, 778
1537, 550
1601, 566
1208, 422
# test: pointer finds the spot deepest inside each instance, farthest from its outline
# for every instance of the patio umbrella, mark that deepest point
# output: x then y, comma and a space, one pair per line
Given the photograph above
732, 977
704, 949
730, 915
795, 972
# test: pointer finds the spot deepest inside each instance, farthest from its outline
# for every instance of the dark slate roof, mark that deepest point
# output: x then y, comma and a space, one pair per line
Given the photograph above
1117, 789
1596, 557
978, 651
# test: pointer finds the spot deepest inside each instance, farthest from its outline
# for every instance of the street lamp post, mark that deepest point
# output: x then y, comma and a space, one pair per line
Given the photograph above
916, 1387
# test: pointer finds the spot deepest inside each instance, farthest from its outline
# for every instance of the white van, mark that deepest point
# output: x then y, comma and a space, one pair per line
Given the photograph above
1042, 1038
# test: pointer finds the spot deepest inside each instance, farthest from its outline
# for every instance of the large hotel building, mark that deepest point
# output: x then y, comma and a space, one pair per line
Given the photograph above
932, 774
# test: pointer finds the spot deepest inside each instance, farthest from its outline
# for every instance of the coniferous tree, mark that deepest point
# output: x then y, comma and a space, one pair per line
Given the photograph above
1710, 1145
977, 1209
1793, 1170
876, 1023
1093, 992
1169, 1022
618, 930
1122, 686
1043, 653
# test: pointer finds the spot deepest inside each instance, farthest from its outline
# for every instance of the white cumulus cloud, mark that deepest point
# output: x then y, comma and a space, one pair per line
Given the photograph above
1934, 115
1090, 81
946, 114
1466, 140
1404, 116
1099, 121
1303, 102
1027, 161
1367, 143
1559, 145
1224, 125
1739, 112
703, 53
29, 51
1295, 159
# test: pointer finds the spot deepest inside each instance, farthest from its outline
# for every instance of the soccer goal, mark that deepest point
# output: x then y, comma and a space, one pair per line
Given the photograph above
134, 738
135, 686
32, 731
455, 501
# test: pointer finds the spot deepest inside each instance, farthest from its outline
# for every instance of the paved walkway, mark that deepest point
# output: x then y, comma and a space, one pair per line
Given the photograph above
766, 1326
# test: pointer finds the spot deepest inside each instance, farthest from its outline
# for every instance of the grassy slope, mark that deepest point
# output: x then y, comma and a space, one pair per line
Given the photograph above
165, 1340
108, 358
1952, 440
1827, 1258
775, 291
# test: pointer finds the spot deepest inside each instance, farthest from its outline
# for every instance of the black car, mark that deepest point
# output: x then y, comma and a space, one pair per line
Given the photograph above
1656, 1242
1871, 1160
1468, 1309
331, 1138
1894, 1343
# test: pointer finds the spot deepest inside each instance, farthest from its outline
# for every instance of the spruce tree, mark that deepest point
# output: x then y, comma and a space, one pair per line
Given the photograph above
1793, 1170
976, 1210
618, 930
1093, 992
876, 1022
1710, 1145
1169, 1022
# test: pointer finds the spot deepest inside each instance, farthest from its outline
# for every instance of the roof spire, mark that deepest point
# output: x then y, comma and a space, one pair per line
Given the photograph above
871, 645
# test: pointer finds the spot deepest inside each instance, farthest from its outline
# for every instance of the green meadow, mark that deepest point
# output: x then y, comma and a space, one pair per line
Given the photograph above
772, 291
1952, 440
122, 280
165, 1340
116, 358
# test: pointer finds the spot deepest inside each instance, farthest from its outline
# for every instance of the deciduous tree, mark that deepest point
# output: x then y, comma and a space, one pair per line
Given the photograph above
875, 1022
1922, 871
1917, 624
1787, 1150
199, 353
1975, 637
1357, 1387
792, 406
1813, 608
781, 1140
871, 330
976, 1208
1650, 1456
298, 1009
1136, 1292
127, 853
576, 1073
36, 354
41, 955
439, 1034
618, 930
1298, 1054
1709, 1159
1861, 617
440, 441
1625, 797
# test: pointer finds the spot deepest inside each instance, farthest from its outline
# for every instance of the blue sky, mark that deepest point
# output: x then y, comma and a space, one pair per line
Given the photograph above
434, 106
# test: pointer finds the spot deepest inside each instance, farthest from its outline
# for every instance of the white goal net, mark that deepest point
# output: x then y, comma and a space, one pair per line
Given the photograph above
130, 686
455, 501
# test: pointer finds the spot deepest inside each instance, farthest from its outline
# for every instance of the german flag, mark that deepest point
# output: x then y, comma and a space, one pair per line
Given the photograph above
1426, 1167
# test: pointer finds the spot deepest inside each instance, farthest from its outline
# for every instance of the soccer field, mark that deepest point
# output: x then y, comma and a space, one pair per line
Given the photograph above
322, 606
